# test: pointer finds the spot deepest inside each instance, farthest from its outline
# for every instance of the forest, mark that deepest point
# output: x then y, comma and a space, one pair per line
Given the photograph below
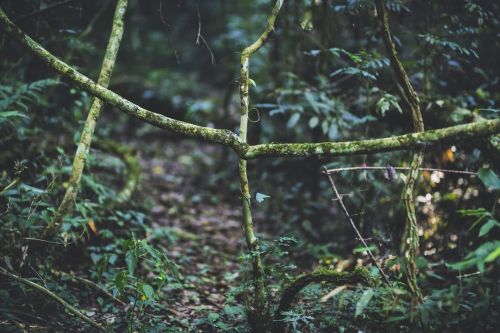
259, 166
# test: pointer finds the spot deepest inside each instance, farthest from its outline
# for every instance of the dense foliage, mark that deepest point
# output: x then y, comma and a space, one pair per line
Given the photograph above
172, 256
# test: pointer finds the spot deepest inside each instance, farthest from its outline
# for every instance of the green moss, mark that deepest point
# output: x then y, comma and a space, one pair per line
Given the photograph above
401, 142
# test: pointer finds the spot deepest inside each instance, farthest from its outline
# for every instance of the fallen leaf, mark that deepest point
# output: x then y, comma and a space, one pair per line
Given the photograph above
92, 226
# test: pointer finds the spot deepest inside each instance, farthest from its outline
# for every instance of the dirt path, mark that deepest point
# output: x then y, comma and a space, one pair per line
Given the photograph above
207, 237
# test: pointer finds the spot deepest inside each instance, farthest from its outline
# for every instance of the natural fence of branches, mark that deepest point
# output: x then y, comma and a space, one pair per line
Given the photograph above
260, 316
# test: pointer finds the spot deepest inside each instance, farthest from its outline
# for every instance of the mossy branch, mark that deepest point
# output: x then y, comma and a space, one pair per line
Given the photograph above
359, 275
258, 313
252, 48
71, 309
401, 142
133, 167
410, 95
228, 138
68, 201
225, 137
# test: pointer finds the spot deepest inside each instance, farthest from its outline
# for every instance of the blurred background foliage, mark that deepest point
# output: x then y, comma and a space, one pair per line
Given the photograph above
323, 76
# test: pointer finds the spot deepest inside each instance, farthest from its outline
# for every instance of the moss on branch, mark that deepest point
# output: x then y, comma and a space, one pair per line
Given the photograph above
228, 138
322, 274
411, 96
225, 137
258, 314
82, 152
400, 142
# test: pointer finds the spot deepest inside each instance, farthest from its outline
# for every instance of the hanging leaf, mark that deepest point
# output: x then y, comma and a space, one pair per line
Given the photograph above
493, 255
487, 227
489, 179
313, 122
333, 131
131, 260
261, 197
306, 23
294, 119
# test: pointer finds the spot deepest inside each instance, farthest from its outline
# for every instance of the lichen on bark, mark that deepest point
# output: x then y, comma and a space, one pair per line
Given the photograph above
321, 274
68, 201
410, 240
258, 312
230, 139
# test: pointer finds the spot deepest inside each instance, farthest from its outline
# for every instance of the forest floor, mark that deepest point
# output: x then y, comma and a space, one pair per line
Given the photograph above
206, 229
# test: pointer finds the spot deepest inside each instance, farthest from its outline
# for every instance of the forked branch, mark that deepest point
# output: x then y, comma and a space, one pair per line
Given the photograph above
230, 139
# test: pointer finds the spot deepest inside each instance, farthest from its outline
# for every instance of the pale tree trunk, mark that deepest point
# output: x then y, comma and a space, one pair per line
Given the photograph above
259, 311
67, 204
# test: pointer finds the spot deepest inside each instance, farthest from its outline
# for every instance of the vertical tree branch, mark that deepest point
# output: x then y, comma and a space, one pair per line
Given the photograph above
259, 314
410, 241
82, 151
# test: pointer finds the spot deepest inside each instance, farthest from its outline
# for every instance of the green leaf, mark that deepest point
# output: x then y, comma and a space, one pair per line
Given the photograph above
489, 179
312, 101
306, 22
434, 275
121, 281
493, 255
487, 227
313, 122
147, 291
422, 262
333, 131
363, 301
213, 317
294, 119
362, 249
153, 252
261, 197
252, 82
131, 260
12, 114
462, 264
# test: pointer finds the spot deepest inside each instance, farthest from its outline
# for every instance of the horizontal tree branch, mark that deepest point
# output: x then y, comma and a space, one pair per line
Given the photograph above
400, 142
225, 137
230, 139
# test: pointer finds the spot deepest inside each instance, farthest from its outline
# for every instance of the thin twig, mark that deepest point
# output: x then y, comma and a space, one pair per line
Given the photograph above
58, 299
364, 168
167, 26
43, 10
200, 36
346, 212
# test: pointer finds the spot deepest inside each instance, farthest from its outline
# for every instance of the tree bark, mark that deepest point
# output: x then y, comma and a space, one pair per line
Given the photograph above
258, 314
67, 204
230, 139
410, 240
